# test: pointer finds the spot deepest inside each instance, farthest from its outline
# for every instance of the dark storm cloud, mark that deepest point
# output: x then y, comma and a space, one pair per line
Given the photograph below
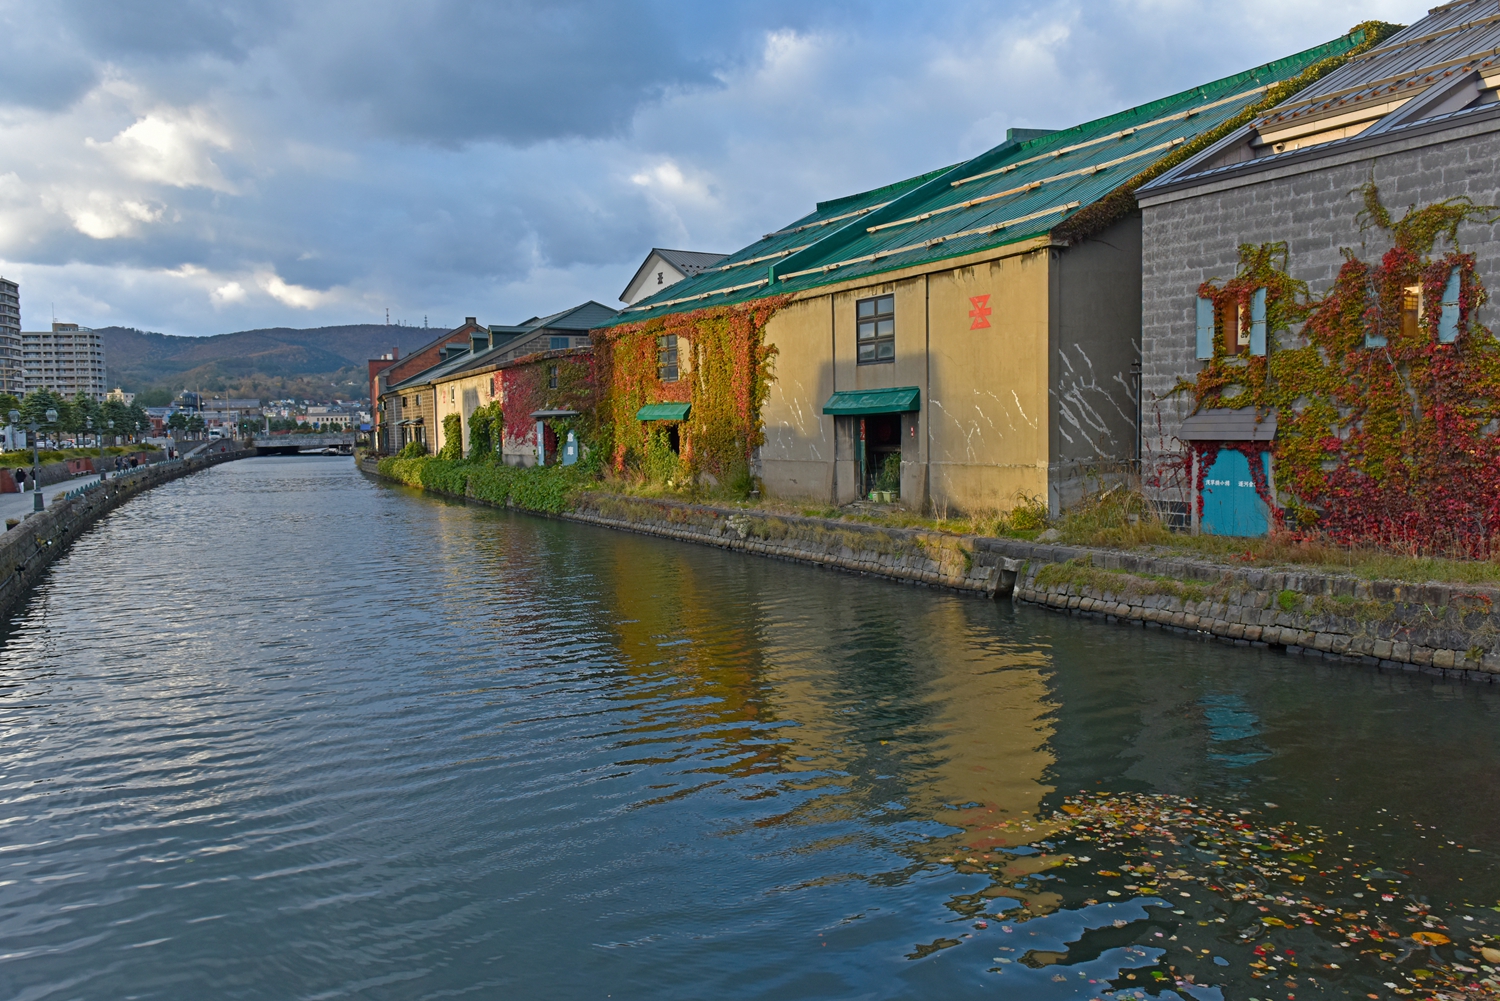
167, 29
457, 71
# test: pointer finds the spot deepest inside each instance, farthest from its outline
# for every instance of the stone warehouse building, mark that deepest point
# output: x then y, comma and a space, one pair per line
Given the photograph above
390, 434
459, 380
974, 330
1418, 115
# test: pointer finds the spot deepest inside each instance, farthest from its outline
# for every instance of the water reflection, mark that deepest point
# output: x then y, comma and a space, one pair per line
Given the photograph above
439, 750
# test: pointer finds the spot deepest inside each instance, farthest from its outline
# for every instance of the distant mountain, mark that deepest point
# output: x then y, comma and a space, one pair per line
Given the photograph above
271, 360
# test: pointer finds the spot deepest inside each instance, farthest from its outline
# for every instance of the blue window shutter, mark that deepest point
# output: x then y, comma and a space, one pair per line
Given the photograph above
1205, 329
1374, 338
1448, 318
1258, 322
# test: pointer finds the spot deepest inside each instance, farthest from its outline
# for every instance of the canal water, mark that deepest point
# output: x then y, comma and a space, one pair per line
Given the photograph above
278, 731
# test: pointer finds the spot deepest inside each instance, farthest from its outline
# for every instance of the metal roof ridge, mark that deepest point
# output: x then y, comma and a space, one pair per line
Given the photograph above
921, 178
1031, 185
1401, 43
988, 228
852, 231
1121, 134
1173, 181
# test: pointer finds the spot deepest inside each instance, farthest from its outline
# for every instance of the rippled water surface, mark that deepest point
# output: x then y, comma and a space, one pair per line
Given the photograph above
276, 731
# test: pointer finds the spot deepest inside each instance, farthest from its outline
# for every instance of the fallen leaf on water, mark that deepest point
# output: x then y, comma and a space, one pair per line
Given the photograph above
1490, 955
1430, 938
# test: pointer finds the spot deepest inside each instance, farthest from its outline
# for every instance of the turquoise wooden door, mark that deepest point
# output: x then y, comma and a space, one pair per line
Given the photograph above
1230, 504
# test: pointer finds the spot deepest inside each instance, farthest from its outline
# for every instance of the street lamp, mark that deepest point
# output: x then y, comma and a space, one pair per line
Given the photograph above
36, 462
111, 438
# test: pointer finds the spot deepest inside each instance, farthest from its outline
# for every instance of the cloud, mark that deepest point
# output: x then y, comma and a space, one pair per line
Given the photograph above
170, 147
201, 165
101, 217
229, 292
287, 294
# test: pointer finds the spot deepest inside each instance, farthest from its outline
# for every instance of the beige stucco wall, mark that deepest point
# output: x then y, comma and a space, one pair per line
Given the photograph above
797, 457
460, 394
988, 391
981, 437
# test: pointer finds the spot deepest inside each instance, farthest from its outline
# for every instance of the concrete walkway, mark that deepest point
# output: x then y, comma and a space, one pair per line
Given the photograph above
20, 505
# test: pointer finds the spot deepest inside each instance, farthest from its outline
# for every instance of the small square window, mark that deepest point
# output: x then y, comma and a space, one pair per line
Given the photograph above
876, 329
558, 342
666, 358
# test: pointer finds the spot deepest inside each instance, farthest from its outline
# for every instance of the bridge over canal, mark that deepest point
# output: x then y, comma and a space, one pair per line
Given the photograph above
304, 444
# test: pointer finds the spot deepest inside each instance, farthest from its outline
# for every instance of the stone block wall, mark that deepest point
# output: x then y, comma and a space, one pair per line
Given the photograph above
1193, 235
1440, 628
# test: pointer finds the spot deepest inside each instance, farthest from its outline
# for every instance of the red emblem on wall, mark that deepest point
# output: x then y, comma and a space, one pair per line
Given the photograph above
980, 314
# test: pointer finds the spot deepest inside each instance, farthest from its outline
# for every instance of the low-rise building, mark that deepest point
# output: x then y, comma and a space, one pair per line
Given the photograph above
966, 339
1414, 122
459, 383
662, 268
389, 433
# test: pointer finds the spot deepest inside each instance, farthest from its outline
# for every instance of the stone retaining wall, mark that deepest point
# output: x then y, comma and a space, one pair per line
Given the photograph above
1446, 629
28, 549
933, 558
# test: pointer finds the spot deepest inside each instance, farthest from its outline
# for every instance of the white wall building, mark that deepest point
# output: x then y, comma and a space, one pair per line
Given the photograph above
68, 359
666, 267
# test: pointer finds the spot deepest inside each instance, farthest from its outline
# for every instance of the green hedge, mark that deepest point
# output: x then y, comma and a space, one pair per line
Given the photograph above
545, 489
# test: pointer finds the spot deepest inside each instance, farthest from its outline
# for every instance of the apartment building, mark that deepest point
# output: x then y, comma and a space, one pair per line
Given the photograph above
68, 359
10, 337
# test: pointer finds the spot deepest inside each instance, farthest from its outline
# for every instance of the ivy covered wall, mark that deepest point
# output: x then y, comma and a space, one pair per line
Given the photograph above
1386, 387
551, 380
724, 371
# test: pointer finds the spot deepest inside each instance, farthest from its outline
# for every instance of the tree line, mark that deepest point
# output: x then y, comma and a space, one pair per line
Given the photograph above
82, 414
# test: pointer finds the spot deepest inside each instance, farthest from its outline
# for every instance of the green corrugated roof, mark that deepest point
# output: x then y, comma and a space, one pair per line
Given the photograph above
855, 403
1028, 187
663, 412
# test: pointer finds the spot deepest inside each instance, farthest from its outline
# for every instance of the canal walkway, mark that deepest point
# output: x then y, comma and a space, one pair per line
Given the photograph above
23, 505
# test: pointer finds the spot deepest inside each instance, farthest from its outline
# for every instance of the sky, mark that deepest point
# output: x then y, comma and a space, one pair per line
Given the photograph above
203, 166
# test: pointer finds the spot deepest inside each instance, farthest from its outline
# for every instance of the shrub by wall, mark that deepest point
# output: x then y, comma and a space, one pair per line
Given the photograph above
537, 488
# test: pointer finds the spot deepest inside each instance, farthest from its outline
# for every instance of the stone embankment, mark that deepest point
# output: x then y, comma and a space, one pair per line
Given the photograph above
30, 547
1445, 629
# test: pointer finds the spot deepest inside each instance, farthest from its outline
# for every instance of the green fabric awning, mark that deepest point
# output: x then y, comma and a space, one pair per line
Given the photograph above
857, 403
663, 412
